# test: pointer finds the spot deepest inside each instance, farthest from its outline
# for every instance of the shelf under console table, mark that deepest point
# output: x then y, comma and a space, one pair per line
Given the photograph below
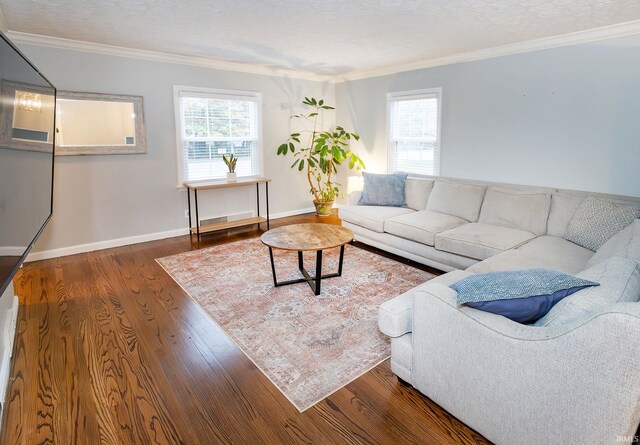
245, 181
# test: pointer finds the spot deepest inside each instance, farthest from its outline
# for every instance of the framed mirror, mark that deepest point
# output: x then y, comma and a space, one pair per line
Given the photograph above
97, 124
26, 116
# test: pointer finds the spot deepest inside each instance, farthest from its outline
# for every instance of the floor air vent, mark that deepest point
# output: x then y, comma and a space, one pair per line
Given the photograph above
226, 218
220, 219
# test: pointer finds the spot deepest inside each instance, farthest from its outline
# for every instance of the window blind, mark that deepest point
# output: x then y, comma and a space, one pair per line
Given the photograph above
213, 124
414, 140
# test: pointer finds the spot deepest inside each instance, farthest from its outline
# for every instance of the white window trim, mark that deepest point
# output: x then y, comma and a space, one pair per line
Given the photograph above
416, 94
217, 93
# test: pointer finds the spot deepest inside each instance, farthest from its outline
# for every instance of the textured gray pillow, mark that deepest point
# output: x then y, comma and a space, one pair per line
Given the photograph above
596, 221
383, 190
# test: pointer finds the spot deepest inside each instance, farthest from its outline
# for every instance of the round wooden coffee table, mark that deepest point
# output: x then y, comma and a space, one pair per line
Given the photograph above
305, 238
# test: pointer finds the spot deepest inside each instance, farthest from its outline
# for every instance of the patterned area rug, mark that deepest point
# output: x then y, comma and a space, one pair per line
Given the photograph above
308, 346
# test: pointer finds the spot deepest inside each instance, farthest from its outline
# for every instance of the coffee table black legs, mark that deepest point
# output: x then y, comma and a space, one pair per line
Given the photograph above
314, 283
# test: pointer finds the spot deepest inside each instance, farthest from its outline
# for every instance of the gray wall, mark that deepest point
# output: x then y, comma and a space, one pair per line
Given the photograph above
100, 198
566, 117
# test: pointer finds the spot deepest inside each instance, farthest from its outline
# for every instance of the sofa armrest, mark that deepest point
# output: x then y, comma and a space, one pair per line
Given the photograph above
577, 383
354, 198
508, 328
395, 316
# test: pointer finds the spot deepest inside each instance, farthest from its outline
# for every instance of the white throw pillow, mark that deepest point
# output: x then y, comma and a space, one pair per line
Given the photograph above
596, 221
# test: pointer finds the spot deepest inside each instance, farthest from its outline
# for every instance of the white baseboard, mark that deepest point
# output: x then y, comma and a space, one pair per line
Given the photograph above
12, 250
292, 213
90, 247
107, 244
8, 337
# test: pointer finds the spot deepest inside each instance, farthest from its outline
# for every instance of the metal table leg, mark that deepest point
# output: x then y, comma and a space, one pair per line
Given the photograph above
266, 188
315, 281
195, 194
273, 268
258, 201
189, 211
318, 279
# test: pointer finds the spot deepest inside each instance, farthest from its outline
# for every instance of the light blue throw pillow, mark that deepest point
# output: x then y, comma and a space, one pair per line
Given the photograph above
383, 190
520, 295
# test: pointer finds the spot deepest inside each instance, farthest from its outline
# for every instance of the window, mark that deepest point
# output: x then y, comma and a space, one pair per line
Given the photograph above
414, 131
212, 123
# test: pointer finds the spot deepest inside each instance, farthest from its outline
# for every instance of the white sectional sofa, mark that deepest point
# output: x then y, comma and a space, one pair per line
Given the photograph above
571, 378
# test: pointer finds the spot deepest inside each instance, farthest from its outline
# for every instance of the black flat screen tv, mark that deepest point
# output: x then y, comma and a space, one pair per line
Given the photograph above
27, 145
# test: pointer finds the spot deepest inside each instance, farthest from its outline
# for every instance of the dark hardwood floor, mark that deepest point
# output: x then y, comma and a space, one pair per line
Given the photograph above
110, 350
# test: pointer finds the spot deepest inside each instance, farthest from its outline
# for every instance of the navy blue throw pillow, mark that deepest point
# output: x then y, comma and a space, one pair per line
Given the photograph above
520, 295
383, 190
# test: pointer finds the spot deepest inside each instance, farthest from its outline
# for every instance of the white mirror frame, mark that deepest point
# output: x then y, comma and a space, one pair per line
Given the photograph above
140, 132
7, 100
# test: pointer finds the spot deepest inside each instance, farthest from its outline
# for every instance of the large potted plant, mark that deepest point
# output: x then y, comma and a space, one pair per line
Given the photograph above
318, 152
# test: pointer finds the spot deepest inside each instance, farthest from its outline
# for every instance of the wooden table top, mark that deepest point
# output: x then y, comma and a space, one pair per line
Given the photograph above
223, 183
305, 237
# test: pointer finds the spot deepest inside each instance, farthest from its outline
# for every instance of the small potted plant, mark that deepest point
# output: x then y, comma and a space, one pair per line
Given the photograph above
323, 151
231, 162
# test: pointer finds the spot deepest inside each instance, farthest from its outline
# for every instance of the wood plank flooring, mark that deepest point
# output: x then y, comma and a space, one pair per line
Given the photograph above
110, 350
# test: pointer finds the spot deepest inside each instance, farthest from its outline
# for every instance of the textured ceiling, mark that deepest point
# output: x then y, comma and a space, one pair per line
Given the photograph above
320, 36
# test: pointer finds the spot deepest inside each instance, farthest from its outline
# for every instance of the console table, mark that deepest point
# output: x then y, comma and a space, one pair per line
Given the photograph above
222, 184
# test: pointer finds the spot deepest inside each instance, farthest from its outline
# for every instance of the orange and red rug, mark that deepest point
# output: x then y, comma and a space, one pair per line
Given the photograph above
309, 346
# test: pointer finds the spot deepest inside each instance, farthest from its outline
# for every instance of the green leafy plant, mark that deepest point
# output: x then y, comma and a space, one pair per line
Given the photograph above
319, 151
231, 162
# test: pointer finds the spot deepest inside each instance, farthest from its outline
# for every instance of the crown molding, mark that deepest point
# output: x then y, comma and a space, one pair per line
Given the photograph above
98, 48
574, 38
3, 23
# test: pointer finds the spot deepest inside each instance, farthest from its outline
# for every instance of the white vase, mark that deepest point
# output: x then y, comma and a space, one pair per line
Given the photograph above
231, 177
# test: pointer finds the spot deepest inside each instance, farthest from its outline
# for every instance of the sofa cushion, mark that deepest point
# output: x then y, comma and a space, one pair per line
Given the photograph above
421, 226
416, 192
619, 280
383, 190
558, 253
371, 217
596, 221
520, 295
480, 241
549, 252
625, 244
395, 316
516, 209
563, 207
457, 199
